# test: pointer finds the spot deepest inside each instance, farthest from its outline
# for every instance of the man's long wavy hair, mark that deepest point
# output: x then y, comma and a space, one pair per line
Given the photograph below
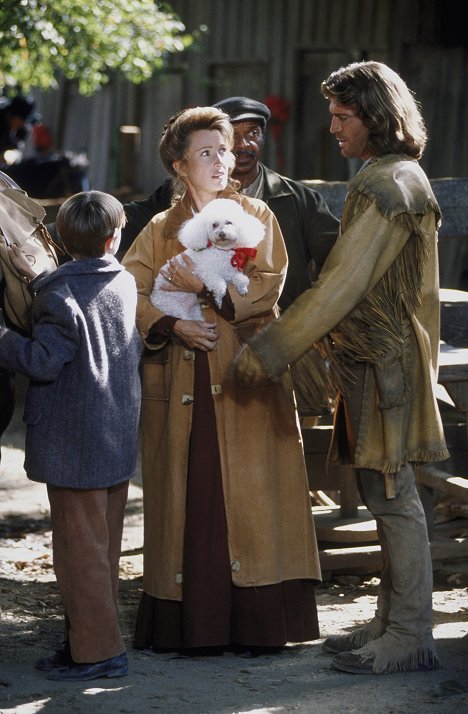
384, 104
178, 130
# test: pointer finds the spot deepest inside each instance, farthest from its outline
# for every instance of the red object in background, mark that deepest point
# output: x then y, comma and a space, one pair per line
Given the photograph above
279, 109
42, 138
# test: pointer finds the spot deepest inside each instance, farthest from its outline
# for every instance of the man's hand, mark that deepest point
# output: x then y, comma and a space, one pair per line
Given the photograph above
247, 368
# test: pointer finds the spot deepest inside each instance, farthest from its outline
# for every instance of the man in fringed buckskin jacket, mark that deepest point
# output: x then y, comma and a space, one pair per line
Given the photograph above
374, 315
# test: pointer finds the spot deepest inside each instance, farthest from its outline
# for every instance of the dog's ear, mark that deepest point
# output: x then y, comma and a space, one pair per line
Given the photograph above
193, 233
251, 231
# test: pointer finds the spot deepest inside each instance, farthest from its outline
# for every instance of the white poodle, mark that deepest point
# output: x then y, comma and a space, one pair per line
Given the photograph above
212, 239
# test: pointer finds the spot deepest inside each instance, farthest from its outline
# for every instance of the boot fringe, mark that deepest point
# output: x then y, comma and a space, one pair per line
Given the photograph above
367, 633
420, 659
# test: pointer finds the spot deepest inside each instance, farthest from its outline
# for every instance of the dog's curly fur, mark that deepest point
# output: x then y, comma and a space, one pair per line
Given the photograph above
210, 239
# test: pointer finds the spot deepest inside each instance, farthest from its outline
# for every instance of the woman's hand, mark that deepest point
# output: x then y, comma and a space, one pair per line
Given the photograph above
197, 334
181, 277
20, 262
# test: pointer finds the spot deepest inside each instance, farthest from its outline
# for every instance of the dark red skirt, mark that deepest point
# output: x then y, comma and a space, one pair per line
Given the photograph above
214, 612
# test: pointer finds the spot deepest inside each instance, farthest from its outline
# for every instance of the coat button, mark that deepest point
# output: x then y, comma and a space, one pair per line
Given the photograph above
189, 354
178, 578
187, 399
235, 566
216, 389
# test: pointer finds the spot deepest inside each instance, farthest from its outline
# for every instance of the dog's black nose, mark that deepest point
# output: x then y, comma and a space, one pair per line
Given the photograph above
222, 234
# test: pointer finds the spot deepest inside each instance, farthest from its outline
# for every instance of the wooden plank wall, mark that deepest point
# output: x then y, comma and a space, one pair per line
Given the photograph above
282, 48
291, 45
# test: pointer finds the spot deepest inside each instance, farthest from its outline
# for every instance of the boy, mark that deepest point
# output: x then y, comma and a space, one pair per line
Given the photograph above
82, 411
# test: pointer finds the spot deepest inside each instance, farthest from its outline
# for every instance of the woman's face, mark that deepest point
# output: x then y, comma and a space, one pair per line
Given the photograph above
207, 164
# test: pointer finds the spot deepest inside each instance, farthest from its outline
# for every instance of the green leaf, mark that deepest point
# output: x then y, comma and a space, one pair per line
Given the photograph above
86, 41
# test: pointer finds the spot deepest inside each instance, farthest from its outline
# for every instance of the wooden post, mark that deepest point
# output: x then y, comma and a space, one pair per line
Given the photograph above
130, 143
349, 494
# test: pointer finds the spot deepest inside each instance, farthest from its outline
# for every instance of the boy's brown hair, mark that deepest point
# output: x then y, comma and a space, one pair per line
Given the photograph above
87, 220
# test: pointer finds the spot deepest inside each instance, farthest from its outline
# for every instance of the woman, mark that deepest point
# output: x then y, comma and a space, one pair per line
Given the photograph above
230, 556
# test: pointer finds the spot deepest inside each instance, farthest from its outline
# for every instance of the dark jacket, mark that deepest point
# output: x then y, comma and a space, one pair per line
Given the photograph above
139, 213
309, 229
83, 401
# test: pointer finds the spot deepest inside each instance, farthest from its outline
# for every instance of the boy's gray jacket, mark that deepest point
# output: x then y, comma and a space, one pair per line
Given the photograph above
83, 401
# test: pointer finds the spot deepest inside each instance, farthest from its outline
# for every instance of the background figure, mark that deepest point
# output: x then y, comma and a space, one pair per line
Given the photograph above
230, 555
50, 173
16, 116
82, 361
47, 174
139, 213
308, 228
374, 314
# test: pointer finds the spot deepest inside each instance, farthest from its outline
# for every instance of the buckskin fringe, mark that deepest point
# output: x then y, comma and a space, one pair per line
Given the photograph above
310, 379
385, 466
393, 658
369, 632
378, 325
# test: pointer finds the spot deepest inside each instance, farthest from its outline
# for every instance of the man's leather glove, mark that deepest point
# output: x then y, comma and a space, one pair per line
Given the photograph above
247, 368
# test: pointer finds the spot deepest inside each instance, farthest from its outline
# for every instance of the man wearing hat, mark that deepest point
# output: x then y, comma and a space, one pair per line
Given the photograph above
309, 229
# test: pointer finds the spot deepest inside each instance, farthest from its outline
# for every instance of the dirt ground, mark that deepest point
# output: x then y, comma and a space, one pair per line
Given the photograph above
298, 680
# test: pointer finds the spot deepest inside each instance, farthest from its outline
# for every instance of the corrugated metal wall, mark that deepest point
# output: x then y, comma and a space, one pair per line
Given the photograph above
282, 48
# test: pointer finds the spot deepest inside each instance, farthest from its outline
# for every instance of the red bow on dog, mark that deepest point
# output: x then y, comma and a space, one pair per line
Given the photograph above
241, 256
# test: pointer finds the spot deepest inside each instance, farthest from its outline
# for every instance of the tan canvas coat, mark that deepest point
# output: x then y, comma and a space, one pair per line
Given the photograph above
377, 301
270, 530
